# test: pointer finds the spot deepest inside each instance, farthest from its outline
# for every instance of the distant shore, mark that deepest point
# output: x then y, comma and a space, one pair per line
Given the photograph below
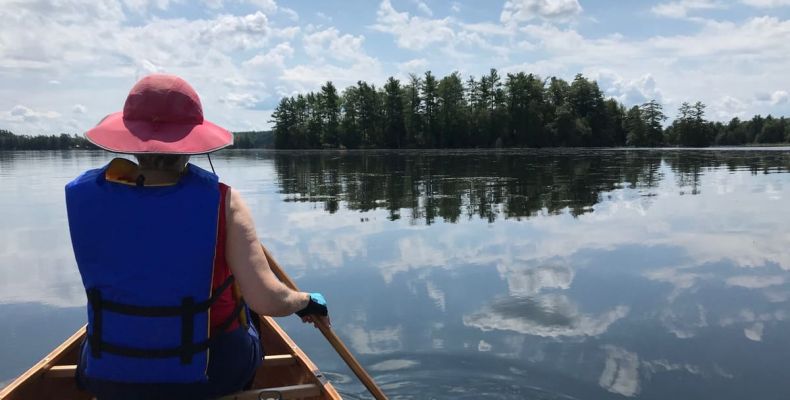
264, 140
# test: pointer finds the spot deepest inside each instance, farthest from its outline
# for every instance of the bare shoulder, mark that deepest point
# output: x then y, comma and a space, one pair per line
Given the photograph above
239, 217
236, 206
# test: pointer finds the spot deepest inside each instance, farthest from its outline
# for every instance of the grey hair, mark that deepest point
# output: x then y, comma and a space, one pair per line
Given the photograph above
162, 162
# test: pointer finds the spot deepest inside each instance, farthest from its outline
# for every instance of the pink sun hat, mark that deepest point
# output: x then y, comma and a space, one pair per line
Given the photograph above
162, 115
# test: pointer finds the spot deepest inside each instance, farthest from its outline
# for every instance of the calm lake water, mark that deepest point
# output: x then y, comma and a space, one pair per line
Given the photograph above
580, 274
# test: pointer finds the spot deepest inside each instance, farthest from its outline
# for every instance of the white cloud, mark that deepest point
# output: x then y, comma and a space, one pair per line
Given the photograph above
779, 97
330, 43
242, 100
20, 113
416, 65
683, 320
454, 40
249, 31
393, 365
746, 316
141, 6
375, 341
71, 11
213, 4
436, 294
412, 32
754, 332
729, 107
290, 13
517, 11
524, 280
681, 8
628, 91
273, 59
756, 39
766, 3
549, 315
656, 366
60, 46
335, 57
423, 8
413, 253
755, 281
267, 6
621, 372
775, 98
78, 109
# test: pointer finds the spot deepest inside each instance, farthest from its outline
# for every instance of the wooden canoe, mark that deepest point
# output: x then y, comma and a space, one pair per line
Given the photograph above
286, 372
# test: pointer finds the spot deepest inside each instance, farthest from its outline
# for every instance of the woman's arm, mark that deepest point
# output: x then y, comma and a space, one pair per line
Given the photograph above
262, 291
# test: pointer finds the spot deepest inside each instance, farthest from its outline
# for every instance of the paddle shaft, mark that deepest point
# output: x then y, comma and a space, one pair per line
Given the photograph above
330, 335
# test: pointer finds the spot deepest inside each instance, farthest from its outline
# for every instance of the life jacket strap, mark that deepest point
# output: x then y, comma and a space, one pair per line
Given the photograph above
164, 311
179, 351
94, 339
187, 311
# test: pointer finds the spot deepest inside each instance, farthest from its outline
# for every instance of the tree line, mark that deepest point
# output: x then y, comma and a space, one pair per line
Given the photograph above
519, 110
253, 140
10, 141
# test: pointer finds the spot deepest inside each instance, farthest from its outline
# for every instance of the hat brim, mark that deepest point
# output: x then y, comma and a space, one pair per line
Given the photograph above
116, 134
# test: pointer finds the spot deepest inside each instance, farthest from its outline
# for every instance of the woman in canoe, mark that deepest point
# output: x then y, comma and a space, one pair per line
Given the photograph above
169, 257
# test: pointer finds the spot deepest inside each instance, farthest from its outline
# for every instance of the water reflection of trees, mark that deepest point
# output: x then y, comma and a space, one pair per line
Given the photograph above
689, 166
456, 185
517, 184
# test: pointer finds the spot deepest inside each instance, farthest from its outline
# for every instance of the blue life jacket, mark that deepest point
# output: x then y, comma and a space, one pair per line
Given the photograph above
146, 257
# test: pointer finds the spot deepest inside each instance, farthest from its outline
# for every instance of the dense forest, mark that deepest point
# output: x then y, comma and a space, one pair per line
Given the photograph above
10, 141
521, 110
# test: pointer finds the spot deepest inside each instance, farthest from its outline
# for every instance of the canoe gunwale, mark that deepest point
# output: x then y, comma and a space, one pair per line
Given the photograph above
36, 383
38, 370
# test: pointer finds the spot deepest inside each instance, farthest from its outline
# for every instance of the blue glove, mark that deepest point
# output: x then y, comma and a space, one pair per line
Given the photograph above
316, 306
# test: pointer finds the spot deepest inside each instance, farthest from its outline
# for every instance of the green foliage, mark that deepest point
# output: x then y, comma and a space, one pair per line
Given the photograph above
691, 128
253, 140
453, 127
521, 110
330, 114
10, 141
394, 125
653, 116
634, 125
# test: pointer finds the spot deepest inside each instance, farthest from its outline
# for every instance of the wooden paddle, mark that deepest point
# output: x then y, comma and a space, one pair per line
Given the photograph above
330, 335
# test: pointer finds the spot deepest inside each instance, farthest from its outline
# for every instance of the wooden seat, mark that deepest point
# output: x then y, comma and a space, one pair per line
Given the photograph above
277, 360
61, 371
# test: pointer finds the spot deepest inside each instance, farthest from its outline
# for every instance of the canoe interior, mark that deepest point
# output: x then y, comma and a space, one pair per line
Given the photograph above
286, 368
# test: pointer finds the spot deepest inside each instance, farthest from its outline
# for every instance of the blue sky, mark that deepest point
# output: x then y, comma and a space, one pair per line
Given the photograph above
64, 64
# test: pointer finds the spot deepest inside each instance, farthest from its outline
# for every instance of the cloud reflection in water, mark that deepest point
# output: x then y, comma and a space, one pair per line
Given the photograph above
550, 315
